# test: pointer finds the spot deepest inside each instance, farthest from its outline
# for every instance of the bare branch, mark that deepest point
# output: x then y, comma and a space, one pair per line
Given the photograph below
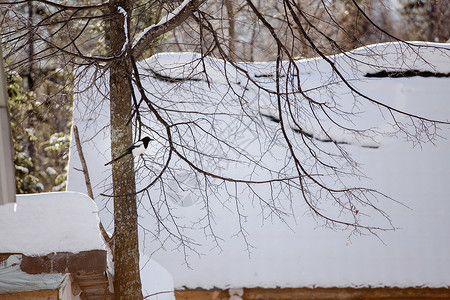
85, 171
61, 6
174, 19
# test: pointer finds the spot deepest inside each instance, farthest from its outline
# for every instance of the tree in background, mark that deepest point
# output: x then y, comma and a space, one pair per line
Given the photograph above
426, 20
108, 39
350, 24
41, 142
40, 101
357, 19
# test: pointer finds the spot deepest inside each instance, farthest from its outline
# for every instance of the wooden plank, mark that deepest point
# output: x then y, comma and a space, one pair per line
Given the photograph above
65, 262
201, 294
320, 293
35, 295
94, 285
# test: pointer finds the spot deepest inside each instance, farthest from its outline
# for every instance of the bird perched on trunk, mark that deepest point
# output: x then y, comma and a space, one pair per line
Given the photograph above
136, 149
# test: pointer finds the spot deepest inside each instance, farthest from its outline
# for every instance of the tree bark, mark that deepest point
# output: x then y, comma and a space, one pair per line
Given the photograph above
127, 283
231, 27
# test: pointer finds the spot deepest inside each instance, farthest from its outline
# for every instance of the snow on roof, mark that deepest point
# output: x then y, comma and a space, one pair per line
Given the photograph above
298, 253
40, 224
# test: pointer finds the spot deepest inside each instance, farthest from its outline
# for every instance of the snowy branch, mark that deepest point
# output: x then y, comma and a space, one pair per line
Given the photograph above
125, 29
169, 22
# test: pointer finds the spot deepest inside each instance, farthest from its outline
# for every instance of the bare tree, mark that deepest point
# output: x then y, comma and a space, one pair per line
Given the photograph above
126, 245
71, 36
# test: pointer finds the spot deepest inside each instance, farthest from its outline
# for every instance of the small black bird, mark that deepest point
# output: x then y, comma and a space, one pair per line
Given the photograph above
136, 149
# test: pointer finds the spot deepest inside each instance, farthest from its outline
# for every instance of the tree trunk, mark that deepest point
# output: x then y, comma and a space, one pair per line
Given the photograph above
127, 283
29, 74
231, 27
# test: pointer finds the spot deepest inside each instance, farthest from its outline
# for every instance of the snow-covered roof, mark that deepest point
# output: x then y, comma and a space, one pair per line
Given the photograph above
298, 253
42, 236
40, 224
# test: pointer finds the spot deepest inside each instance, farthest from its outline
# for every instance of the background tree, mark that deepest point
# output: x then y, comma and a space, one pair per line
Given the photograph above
41, 142
355, 19
109, 39
427, 20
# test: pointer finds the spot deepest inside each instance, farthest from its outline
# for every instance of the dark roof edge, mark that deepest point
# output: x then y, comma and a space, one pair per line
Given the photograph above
65, 262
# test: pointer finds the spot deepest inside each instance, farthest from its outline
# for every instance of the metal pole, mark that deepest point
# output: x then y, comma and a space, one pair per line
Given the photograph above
7, 177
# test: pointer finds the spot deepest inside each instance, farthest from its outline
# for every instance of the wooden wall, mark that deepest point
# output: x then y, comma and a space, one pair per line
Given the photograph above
35, 295
319, 294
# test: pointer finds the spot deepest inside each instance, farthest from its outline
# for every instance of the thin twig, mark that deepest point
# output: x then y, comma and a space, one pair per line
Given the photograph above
105, 235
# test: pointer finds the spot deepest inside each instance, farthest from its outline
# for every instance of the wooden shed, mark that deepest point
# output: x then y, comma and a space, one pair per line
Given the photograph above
51, 249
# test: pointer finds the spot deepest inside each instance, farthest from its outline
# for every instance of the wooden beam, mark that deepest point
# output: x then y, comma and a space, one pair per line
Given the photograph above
321, 293
95, 285
34, 295
65, 262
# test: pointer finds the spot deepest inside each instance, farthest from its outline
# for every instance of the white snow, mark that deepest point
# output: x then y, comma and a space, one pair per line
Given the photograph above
50, 171
50, 222
298, 253
125, 28
156, 281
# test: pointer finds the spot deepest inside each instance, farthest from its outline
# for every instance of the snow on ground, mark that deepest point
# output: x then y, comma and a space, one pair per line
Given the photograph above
40, 224
270, 253
156, 281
